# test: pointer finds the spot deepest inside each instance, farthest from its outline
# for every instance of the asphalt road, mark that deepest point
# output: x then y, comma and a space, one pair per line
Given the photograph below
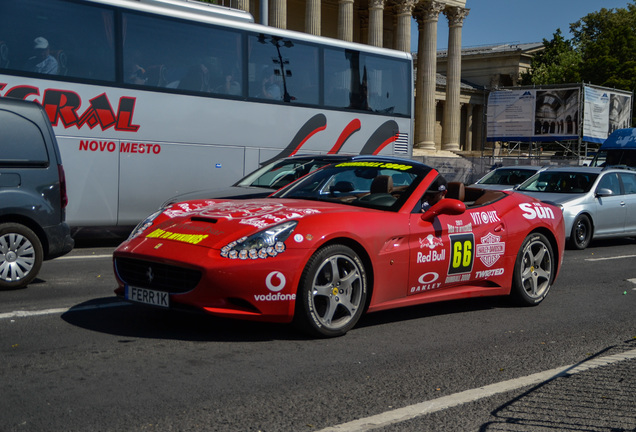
75, 358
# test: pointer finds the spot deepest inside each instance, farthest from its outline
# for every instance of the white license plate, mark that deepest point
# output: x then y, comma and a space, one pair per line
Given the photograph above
146, 296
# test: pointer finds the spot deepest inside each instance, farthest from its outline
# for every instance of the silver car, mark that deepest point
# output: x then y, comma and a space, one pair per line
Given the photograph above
596, 202
506, 177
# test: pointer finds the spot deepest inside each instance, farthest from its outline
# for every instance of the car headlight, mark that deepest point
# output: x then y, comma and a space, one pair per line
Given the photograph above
267, 243
143, 225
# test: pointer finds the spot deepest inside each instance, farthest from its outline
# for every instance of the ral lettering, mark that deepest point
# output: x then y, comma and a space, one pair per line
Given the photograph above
63, 107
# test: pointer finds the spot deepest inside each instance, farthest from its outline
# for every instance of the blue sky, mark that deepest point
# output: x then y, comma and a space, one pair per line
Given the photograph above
517, 21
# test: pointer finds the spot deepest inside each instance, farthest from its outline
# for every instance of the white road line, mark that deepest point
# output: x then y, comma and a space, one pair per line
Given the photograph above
26, 314
610, 258
410, 412
74, 257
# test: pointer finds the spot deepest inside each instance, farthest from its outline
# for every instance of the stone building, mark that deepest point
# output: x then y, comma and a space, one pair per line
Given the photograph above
485, 68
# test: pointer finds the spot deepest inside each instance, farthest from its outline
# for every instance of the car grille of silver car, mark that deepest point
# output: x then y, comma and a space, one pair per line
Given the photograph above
157, 276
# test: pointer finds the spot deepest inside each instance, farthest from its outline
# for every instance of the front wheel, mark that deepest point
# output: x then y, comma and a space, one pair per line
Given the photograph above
332, 293
21, 255
581, 234
534, 270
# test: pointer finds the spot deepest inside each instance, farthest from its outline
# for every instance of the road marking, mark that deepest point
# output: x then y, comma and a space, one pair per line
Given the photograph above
26, 314
610, 258
418, 410
83, 257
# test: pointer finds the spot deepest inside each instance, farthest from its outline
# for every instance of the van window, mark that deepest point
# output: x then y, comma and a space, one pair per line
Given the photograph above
21, 142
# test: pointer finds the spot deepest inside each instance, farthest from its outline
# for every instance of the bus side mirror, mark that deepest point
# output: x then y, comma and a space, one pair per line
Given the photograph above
447, 206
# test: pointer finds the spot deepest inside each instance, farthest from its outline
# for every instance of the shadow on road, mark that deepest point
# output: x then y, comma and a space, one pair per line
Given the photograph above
111, 315
600, 399
114, 316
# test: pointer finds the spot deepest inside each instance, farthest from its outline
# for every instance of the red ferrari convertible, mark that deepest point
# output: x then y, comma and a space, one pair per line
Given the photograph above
350, 238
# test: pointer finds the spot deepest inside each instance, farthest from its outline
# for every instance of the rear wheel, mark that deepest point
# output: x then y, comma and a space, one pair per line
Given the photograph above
534, 270
21, 255
332, 293
581, 234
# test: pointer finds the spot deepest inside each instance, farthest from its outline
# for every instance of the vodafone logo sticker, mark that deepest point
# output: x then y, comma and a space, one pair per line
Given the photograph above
275, 281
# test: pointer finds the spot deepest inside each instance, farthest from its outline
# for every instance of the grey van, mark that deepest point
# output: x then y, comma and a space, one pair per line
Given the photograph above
32, 193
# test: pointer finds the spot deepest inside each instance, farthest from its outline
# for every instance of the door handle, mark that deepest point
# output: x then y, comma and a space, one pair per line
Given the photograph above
499, 228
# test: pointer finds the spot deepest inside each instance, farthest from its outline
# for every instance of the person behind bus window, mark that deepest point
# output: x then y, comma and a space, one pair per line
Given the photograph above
270, 88
42, 61
230, 86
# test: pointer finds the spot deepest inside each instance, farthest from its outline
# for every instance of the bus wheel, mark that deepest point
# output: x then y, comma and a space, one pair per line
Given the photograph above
332, 293
21, 255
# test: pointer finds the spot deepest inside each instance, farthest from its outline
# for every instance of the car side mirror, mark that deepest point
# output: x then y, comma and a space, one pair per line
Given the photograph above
447, 206
603, 192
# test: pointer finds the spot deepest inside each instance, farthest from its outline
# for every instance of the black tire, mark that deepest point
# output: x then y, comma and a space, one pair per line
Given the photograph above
21, 255
332, 293
534, 271
581, 234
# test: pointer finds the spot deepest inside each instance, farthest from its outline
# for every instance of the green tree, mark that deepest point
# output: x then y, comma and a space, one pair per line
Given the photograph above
607, 42
558, 63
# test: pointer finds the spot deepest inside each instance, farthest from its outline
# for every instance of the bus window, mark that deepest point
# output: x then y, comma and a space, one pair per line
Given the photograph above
58, 38
387, 83
366, 82
168, 53
282, 69
337, 79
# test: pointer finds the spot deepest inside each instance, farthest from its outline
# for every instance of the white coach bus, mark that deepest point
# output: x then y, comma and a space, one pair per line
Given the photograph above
153, 98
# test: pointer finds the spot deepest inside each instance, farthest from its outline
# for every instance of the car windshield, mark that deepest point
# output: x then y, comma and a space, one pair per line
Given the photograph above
374, 184
282, 172
559, 182
507, 176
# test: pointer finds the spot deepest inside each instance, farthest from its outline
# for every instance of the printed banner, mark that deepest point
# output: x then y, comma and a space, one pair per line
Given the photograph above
533, 114
604, 112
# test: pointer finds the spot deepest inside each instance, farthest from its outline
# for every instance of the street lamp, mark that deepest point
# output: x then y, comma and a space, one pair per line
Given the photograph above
279, 42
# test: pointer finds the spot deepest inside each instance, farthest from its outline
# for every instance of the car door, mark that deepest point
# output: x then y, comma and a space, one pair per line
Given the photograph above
455, 249
610, 210
628, 179
428, 255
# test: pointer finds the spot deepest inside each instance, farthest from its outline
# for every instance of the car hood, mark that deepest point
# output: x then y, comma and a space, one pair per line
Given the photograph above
492, 186
556, 198
228, 192
215, 223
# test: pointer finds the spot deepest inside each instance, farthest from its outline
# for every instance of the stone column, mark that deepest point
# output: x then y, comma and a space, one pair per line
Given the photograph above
376, 22
427, 15
312, 17
278, 13
345, 20
243, 5
363, 17
404, 10
451, 122
469, 127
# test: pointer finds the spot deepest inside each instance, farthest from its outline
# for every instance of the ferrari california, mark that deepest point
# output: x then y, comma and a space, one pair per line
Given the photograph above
346, 239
